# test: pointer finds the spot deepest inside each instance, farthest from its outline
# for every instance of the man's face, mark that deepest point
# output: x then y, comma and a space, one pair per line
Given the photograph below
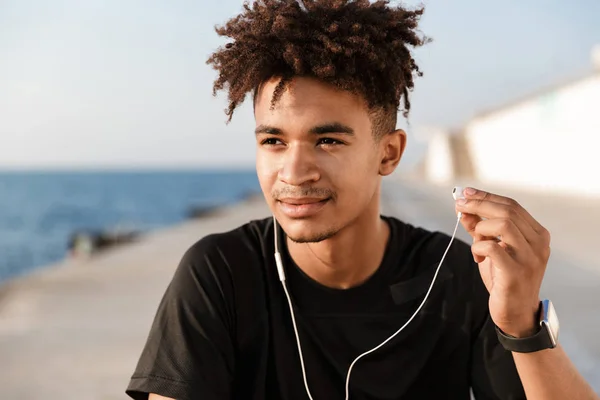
318, 164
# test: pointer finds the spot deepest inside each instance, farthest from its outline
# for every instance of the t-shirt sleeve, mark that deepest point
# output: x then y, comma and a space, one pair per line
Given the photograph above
494, 375
189, 352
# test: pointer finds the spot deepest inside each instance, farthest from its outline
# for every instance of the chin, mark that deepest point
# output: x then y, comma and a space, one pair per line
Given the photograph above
306, 231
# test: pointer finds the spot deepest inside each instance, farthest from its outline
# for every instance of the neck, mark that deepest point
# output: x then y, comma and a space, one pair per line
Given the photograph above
350, 257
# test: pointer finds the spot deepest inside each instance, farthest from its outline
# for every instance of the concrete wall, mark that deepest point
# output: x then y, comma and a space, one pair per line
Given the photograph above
549, 142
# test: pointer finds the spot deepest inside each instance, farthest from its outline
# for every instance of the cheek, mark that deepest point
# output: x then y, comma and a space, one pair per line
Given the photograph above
266, 172
354, 176
356, 163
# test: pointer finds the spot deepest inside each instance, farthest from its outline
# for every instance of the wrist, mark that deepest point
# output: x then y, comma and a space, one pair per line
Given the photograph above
525, 327
520, 338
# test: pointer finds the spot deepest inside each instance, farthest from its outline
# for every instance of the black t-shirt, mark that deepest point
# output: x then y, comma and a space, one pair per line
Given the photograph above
223, 328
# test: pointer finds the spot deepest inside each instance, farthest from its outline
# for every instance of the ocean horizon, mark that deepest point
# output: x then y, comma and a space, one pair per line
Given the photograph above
41, 209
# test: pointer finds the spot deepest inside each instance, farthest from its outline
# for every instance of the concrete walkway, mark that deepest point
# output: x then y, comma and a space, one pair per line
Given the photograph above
75, 330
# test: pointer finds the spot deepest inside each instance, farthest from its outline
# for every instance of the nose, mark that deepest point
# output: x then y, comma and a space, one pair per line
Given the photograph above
299, 166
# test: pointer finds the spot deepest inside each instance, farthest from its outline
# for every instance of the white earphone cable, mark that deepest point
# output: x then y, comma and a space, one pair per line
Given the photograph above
281, 272
409, 320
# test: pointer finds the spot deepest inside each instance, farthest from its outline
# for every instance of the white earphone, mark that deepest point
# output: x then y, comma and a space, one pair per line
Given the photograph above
457, 193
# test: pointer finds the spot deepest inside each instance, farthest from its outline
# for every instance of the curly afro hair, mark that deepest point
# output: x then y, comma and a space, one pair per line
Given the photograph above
355, 45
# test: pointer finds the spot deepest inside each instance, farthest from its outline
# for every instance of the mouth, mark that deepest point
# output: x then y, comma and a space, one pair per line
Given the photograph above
301, 207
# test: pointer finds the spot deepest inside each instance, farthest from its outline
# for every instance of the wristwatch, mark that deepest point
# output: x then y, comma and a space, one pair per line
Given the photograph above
545, 338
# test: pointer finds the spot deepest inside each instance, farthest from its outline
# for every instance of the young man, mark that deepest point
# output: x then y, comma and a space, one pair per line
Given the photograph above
327, 79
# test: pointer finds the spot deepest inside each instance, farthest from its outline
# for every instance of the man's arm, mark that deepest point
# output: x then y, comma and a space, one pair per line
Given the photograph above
512, 251
549, 374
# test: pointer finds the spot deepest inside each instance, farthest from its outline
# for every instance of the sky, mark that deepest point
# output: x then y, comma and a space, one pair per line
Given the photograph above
124, 84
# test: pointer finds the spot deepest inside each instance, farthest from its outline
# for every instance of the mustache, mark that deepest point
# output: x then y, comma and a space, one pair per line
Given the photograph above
303, 192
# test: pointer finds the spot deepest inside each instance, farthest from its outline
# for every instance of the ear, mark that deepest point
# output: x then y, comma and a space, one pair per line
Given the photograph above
392, 147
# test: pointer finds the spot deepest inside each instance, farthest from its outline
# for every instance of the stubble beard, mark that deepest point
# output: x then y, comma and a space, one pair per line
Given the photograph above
319, 237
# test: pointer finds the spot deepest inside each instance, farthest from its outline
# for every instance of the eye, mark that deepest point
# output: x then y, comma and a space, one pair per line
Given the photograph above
270, 142
328, 142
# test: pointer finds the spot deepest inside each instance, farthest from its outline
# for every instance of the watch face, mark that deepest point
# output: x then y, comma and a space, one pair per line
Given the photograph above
550, 319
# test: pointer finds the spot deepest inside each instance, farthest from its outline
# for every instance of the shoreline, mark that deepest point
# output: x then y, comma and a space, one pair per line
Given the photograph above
193, 213
49, 271
46, 210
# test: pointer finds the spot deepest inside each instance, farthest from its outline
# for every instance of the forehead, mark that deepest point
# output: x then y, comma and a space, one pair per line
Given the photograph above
306, 101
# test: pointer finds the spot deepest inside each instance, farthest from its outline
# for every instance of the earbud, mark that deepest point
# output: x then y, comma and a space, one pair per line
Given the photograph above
457, 193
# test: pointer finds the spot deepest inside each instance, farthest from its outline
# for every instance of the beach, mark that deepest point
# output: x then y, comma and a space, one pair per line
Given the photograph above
74, 330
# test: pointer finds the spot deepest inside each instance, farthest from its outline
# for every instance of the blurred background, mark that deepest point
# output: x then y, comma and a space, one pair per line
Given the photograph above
109, 134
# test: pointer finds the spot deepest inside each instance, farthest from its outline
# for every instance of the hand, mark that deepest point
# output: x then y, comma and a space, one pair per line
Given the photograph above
512, 250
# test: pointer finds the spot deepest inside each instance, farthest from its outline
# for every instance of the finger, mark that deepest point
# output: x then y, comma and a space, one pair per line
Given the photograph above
469, 222
492, 249
503, 229
508, 236
495, 198
492, 210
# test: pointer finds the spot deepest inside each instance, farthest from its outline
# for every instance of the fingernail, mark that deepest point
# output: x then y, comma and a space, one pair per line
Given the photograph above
470, 190
461, 201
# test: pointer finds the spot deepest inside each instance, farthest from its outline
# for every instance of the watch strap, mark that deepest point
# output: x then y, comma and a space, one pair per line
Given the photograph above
539, 341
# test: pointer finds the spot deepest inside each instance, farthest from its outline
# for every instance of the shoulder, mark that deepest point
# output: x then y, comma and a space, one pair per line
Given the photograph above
223, 272
231, 249
224, 262
248, 237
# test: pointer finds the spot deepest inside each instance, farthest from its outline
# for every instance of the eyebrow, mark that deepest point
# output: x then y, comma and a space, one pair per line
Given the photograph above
333, 127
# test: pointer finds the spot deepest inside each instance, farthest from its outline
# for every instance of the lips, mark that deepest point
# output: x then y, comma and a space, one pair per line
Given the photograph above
301, 208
